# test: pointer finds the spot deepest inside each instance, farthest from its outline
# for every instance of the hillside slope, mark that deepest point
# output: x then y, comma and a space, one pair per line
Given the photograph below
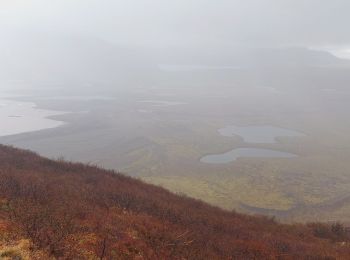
55, 209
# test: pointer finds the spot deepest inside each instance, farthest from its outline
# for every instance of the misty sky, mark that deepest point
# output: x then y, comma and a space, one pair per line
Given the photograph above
219, 23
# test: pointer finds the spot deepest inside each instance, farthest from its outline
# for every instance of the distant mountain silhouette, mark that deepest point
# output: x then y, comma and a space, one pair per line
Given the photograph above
69, 59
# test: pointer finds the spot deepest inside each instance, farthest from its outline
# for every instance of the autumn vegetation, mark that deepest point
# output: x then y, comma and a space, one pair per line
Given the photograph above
60, 210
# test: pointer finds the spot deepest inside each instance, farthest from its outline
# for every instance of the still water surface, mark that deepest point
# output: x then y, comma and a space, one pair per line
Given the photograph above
246, 153
259, 134
17, 117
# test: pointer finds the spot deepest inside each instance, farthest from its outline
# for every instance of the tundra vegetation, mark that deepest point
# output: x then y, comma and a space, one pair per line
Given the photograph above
62, 210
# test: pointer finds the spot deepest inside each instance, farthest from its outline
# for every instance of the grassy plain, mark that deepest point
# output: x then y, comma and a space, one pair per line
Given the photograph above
163, 144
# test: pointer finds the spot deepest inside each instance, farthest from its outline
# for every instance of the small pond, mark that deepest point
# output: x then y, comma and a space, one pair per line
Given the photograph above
244, 153
258, 134
252, 134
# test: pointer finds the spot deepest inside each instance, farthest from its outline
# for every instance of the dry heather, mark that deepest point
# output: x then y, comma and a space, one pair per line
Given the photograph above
61, 210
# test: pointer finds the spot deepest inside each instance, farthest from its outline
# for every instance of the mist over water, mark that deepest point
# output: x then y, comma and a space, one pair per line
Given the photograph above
244, 153
258, 134
232, 102
21, 117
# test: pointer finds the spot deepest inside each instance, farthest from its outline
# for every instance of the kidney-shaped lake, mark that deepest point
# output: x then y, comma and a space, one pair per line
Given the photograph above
252, 134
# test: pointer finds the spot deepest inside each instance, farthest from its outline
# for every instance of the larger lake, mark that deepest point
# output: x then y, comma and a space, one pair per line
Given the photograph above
252, 134
18, 117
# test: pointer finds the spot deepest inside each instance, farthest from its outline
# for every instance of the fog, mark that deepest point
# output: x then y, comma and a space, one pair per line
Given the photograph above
146, 86
116, 41
192, 22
